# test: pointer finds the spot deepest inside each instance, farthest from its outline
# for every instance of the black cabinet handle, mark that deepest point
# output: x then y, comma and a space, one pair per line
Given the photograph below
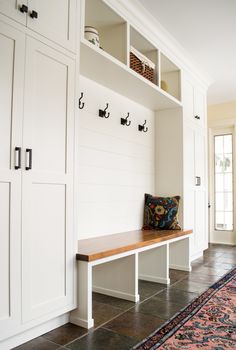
198, 181
23, 8
197, 117
29, 152
17, 158
34, 14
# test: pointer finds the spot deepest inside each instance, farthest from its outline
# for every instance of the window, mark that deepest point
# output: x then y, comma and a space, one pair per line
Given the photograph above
223, 182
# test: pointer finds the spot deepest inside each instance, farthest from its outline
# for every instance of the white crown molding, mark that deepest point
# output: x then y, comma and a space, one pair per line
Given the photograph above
139, 17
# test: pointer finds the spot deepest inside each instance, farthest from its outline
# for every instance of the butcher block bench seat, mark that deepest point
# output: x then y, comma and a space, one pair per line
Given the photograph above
113, 264
101, 247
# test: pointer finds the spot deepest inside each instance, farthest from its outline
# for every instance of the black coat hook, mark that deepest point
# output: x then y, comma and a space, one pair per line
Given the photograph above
81, 104
142, 127
124, 121
103, 113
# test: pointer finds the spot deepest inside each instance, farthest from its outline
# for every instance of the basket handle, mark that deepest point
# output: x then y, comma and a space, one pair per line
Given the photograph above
143, 66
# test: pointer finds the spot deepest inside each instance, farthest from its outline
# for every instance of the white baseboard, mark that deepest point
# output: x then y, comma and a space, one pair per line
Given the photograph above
181, 267
34, 332
223, 243
154, 279
116, 294
80, 322
196, 255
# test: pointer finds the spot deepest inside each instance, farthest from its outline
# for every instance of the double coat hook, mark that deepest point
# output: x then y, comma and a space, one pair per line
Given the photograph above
142, 127
103, 113
124, 121
81, 104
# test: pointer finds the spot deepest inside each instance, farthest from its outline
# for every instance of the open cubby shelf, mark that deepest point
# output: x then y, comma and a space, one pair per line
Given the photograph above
110, 64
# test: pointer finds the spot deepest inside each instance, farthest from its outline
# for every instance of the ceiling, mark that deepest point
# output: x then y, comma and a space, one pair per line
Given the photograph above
206, 29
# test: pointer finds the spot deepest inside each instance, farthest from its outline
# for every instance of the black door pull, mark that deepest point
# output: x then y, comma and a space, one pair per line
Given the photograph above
23, 8
17, 158
29, 152
34, 14
198, 181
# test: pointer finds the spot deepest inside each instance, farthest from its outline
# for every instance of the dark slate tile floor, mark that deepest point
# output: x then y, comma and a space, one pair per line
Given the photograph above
120, 324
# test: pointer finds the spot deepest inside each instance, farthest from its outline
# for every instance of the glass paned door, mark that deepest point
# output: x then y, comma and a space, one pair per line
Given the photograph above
223, 171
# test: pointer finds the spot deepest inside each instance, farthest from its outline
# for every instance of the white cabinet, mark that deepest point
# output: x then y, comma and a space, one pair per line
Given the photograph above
15, 9
53, 19
201, 195
11, 107
36, 189
47, 213
194, 103
195, 163
195, 186
199, 107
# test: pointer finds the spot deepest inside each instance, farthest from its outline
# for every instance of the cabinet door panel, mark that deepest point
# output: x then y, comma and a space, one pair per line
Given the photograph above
201, 234
11, 8
200, 155
56, 20
48, 243
201, 226
188, 99
195, 197
11, 105
48, 187
189, 151
194, 103
199, 106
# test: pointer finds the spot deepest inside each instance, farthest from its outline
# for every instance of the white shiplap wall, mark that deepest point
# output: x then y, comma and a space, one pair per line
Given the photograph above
116, 163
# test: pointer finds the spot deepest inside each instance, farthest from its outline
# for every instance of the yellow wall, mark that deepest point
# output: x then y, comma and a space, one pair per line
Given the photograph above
222, 111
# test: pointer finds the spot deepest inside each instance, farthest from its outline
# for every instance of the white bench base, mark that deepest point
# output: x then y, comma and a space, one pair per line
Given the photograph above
118, 274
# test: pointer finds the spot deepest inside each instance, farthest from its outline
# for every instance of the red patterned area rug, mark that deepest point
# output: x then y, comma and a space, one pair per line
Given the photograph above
209, 322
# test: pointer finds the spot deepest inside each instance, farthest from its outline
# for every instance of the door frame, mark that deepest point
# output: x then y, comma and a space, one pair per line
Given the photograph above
220, 127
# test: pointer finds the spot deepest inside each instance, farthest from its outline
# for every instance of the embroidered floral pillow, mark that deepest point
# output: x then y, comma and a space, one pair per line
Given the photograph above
160, 213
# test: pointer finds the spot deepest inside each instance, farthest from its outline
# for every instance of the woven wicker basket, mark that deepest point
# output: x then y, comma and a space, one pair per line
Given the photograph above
141, 64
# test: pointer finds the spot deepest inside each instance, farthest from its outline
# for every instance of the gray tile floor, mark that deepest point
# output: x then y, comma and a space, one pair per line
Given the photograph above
120, 324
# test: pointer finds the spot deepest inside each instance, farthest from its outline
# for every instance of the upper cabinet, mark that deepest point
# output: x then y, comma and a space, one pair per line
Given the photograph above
55, 20
200, 106
15, 9
194, 100
115, 54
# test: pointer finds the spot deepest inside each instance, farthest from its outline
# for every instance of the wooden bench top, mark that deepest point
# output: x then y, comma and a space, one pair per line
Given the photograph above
101, 247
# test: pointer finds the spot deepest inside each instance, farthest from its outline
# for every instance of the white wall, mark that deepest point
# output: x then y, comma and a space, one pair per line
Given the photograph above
116, 163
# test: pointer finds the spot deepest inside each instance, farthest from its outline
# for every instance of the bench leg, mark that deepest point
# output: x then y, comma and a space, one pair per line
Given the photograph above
118, 278
82, 316
154, 265
180, 255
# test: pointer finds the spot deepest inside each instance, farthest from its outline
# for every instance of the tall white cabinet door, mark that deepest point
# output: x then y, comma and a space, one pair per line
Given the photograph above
56, 20
201, 189
47, 215
11, 107
14, 9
